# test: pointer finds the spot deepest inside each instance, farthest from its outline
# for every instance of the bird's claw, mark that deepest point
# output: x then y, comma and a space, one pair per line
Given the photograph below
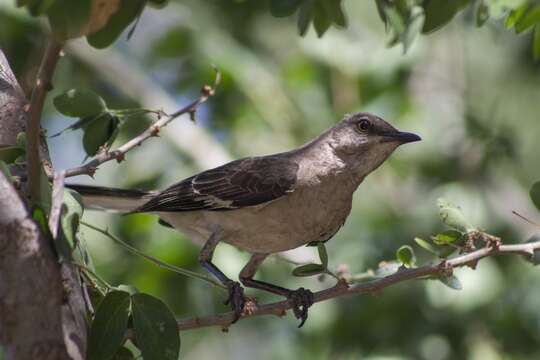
301, 299
236, 299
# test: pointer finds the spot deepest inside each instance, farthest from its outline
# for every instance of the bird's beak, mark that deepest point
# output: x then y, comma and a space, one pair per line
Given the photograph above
401, 137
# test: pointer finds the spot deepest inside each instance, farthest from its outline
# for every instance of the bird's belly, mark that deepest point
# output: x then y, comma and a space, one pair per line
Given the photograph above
288, 223
284, 224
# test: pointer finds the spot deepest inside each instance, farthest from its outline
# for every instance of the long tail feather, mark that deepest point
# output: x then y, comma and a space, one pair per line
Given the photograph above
111, 199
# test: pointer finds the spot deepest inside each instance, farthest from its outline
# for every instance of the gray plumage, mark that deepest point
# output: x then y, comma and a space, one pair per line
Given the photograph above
270, 203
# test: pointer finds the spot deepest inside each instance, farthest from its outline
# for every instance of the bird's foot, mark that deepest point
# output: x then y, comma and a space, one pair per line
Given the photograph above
236, 299
301, 299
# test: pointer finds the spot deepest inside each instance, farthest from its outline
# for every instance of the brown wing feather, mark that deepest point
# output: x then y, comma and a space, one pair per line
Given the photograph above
245, 182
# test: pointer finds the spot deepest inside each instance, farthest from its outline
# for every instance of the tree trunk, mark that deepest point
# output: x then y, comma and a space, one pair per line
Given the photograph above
42, 312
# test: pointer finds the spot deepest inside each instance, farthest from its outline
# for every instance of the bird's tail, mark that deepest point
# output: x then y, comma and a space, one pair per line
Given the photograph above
111, 199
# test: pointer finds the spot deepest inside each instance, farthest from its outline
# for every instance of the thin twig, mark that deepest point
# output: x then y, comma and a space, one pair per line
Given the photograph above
153, 130
375, 286
33, 128
86, 295
92, 274
161, 264
525, 219
116, 69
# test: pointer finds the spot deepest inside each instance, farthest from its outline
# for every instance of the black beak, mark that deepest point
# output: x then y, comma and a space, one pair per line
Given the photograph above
401, 136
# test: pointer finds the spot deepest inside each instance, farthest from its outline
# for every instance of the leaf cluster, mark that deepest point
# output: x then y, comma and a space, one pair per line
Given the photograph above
155, 332
101, 22
321, 13
404, 20
442, 244
99, 123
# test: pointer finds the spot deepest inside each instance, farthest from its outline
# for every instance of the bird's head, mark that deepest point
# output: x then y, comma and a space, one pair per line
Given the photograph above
363, 141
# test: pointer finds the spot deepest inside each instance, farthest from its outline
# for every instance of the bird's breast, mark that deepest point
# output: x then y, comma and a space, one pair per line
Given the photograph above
305, 215
310, 213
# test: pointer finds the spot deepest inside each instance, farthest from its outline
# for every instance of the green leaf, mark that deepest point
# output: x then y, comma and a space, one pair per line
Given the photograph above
305, 16
380, 10
81, 123
531, 17
109, 326
73, 210
321, 19
334, 11
96, 297
81, 255
439, 13
36, 7
283, 8
535, 194
79, 103
414, 26
323, 255
21, 140
452, 282
158, 3
405, 255
45, 190
395, 20
68, 17
5, 170
452, 216
515, 15
9, 154
446, 250
155, 328
447, 237
308, 270
426, 246
130, 289
482, 14
123, 354
120, 20
39, 216
101, 131
536, 43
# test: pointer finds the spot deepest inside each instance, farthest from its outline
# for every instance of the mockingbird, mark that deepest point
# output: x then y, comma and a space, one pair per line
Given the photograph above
267, 204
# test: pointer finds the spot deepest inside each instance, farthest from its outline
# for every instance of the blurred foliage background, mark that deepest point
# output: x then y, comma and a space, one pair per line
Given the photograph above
471, 93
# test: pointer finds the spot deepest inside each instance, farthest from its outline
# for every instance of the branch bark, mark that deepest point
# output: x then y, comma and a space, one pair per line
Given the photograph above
33, 127
31, 293
374, 286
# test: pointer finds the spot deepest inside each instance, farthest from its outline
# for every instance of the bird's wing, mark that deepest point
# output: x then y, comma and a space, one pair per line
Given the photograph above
244, 182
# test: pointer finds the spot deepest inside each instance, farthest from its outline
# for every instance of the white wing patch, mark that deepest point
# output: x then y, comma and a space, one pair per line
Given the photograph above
215, 202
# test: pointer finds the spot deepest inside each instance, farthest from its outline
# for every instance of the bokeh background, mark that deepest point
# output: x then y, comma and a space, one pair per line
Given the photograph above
471, 93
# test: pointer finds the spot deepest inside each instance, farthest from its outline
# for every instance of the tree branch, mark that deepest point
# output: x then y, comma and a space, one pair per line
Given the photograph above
34, 285
444, 267
31, 295
33, 127
153, 130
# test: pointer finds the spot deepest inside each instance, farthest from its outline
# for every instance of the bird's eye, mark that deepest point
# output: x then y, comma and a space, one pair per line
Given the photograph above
364, 125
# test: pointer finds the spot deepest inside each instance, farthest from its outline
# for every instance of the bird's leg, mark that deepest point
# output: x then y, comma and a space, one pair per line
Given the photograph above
301, 299
236, 297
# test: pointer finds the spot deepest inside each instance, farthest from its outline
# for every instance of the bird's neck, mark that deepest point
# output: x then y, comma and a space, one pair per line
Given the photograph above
320, 163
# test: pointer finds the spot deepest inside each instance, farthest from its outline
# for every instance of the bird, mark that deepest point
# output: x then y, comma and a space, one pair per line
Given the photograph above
267, 204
